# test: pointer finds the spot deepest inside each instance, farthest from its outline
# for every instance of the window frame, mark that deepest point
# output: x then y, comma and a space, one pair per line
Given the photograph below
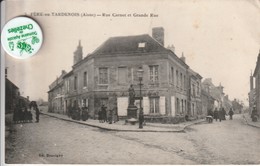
155, 102
126, 75
99, 76
153, 75
85, 79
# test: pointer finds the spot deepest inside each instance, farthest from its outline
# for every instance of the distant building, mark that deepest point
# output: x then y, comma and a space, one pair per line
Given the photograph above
207, 102
11, 95
104, 76
256, 75
252, 94
217, 93
56, 98
194, 93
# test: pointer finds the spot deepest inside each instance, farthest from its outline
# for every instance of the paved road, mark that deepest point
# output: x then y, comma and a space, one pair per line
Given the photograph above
59, 142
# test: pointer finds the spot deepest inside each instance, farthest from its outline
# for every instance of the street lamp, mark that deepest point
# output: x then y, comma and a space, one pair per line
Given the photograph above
140, 72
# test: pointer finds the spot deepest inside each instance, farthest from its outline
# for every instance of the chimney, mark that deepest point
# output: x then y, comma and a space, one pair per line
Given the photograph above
220, 87
172, 48
183, 57
158, 34
63, 72
78, 54
27, 98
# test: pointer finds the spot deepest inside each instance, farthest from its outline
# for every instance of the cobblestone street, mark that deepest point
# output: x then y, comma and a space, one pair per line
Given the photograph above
54, 141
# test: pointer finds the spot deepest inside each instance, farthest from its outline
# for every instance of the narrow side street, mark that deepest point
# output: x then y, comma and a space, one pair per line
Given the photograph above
55, 141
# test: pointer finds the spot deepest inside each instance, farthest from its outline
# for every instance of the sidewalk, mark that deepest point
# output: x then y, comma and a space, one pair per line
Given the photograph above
121, 126
249, 121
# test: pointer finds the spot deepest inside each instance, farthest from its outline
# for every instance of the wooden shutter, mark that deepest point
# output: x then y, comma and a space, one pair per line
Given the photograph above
173, 106
162, 105
146, 105
122, 104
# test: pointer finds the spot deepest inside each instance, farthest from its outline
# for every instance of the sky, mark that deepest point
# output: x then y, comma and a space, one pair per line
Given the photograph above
219, 38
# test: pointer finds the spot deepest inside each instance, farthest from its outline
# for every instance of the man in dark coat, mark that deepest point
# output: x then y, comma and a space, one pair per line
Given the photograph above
220, 114
231, 113
84, 115
216, 114
224, 113
104, 113
141, 118
37, 114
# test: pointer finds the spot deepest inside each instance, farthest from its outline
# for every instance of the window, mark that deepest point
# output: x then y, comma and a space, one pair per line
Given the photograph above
181, 85
85, 102
154, 105
141, 45
182, 106
122, 75
172, 75
198, 89
185, 106
154, 74
75, 83
184, 82
68, 85
193, 89
103, 76
177, 105
85, 79
177, 78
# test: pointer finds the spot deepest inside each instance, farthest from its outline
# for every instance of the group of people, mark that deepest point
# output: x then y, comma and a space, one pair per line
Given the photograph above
22, 112
220, 114
77, 113
109, 116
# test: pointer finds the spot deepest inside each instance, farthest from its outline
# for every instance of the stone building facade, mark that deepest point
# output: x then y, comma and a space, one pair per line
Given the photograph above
256, 76
56, 95
104, 76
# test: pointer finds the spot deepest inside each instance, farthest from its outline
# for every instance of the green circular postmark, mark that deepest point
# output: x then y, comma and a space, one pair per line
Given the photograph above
21, 37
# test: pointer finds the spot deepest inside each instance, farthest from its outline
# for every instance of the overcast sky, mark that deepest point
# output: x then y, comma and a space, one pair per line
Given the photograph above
220, 39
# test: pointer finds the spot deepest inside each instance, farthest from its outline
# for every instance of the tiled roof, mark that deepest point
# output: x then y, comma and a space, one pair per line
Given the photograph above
130, 44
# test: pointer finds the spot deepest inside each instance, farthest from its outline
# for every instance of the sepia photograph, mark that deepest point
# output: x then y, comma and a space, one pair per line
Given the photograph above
147, 82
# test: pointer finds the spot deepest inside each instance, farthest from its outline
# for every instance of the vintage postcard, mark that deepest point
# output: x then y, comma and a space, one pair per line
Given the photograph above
130, 82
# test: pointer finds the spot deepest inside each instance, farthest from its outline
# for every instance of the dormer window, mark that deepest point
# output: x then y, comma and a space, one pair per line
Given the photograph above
141, 45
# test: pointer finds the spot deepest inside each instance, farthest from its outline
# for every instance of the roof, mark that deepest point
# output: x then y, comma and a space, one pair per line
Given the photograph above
11, 83
129, 44
195, 74
68, 74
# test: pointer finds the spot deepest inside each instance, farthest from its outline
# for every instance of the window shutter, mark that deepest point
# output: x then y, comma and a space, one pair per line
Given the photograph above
162, 105
146, 105
173, 106
122, 104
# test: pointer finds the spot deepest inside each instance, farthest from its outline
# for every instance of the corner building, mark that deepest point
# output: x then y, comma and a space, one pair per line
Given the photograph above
104, 76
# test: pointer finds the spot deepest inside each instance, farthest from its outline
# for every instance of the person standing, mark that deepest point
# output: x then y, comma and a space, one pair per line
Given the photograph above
141, 118
100, 116
37, 113
104, 113
216, 114
84, 115
231, 113
220, 114
116, 118
224, 113
110, 116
